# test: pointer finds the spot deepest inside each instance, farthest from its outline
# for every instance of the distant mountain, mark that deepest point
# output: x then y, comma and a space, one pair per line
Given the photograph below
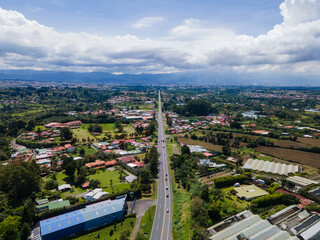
183, 78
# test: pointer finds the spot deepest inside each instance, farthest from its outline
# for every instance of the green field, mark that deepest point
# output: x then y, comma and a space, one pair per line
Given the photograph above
104, 178
146, 224
88, 150
111, 232
81, 133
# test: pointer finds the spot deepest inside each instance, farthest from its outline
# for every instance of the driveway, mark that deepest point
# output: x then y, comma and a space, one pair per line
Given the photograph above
140, 208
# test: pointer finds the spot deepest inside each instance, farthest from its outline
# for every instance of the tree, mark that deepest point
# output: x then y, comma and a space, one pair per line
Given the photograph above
154, 162
94, 183
205, 193
10, 228
199, 213
81, 175
19, 181
51, 184
69, 165
145, 176
39, 132
82, 152
198, 107
118, 125
66, 134
185, 150
226, 150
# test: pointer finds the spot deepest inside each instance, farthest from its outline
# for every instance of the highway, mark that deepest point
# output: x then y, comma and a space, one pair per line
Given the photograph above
161, 228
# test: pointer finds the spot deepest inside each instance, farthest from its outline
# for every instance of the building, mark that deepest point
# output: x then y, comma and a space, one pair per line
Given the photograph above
90, 217
297, 222
64, 187
52, 205
301, 181
315, 192
246, 226
271, 167
95, 194
249, 192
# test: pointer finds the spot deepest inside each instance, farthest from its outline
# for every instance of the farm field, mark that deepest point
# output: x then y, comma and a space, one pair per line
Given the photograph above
308, 158
208, 146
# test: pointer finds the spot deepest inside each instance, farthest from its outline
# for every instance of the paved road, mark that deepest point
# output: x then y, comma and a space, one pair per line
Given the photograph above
161, 228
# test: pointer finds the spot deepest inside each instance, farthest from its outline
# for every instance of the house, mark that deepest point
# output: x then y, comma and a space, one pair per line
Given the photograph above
85, 185
89, 195
97, 164
64, 187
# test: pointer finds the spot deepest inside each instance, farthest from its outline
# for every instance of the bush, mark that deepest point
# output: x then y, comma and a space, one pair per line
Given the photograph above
51, 184
231, 180
273, 200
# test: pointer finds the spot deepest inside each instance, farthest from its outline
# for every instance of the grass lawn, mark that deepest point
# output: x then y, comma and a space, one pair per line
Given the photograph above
89, 150
81, 133
111, 232
104, 178
146, 106
146, 223
129, 129
107, 127
231, 204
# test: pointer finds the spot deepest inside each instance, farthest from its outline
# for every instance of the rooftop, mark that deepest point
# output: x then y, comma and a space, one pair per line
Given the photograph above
249, 192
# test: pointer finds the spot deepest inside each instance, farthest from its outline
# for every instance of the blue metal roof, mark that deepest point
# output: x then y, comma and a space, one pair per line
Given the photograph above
88, 213
61, 221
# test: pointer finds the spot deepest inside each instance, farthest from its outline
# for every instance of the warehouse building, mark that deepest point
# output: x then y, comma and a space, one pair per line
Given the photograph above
301, 181
248, 226
90, 217
249, 192
270, 167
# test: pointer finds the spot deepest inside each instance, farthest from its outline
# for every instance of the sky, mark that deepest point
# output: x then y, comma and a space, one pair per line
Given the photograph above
167, 36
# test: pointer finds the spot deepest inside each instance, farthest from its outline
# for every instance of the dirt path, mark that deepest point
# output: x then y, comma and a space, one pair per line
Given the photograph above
140, 208
175, 150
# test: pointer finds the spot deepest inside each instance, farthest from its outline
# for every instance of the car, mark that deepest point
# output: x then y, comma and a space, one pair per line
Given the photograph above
163, 140
166, 179
167, 195
166, 174
167, 188
167, 210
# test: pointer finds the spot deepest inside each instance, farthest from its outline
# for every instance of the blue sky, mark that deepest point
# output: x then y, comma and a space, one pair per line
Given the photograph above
148, 36
116, 17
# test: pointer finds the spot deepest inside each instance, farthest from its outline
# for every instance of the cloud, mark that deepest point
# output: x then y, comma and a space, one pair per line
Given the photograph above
147, 22
291, 46
300, 11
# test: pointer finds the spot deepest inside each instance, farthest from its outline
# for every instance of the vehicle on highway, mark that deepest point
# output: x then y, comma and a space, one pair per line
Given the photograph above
167, 195
166, 179
167, 210
166, 187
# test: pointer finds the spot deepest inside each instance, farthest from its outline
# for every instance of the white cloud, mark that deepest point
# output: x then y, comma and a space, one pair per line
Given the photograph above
147, 22
300, 11
293, 46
